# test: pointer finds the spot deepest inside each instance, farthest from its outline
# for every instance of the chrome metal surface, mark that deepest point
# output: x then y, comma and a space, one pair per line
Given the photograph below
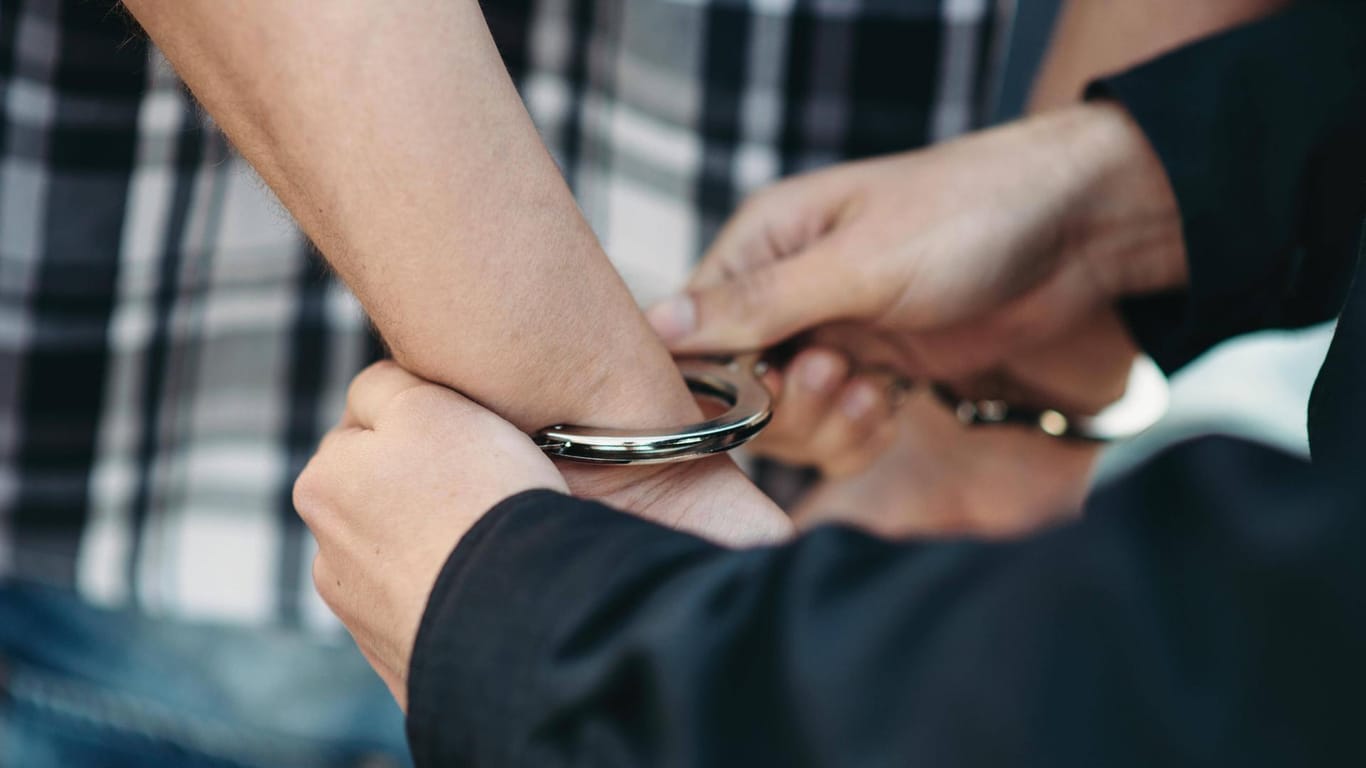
1144, 402
733, 380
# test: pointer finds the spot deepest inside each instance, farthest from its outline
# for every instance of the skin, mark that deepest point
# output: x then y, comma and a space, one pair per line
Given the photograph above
936, 480
395, 138
348, 142
909, 238
993, 481
828, 414
990, 275
427, 463
925, 475
375, 569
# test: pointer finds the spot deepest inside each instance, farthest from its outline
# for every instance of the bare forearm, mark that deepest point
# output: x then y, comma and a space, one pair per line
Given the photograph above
1095, 37
392, 133
394, 136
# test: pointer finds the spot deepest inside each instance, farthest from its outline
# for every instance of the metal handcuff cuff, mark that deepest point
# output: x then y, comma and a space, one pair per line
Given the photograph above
736, 381
732, 380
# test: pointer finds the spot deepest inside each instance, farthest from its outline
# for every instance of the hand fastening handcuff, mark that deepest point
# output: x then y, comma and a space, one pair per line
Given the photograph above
737, 382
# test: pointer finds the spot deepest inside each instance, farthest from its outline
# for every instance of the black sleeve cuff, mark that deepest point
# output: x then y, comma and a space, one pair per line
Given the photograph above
1259, 130
533, 563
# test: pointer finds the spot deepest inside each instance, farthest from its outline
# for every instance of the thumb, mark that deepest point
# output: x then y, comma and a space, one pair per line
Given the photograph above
758, 308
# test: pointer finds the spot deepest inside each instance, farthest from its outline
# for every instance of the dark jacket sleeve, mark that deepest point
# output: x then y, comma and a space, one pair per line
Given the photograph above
1184, 622
1208, 610
1260, 132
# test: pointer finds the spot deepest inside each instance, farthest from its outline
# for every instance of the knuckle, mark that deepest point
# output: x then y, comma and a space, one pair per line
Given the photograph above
368, 377
358, 384
427, 403
307, 491
323, 583
330, 441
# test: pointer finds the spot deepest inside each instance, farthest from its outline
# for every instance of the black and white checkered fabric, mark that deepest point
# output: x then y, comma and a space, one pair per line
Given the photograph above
170, 351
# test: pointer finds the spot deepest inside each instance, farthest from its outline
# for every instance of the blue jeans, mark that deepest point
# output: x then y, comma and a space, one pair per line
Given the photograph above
81, 686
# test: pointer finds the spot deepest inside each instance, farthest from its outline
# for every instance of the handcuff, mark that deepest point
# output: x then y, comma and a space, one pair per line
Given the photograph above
736, 381
733, 380
1145, 401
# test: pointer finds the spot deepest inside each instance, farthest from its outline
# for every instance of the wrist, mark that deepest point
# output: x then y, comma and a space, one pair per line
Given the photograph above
1124, 222
710, 498
713, 499
633, 383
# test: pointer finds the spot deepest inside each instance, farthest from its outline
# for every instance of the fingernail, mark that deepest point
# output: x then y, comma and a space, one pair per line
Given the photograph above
674, 318
859, 402
819, 372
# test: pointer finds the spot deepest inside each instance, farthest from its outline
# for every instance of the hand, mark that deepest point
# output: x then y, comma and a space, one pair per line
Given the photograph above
827, 414
410, 469
393, 488
940, 478
959, 256
993, 259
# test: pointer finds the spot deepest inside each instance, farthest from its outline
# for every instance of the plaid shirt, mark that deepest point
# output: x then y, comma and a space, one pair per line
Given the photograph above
170, 351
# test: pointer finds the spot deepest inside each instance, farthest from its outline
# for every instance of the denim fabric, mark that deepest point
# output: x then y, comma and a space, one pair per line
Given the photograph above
80, 686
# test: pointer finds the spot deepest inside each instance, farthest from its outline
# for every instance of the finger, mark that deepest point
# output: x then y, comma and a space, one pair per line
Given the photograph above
773, 381
312, 493
844, 441
774, 224
348, 421
745, 243
373, 388
759, 308
809, 387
